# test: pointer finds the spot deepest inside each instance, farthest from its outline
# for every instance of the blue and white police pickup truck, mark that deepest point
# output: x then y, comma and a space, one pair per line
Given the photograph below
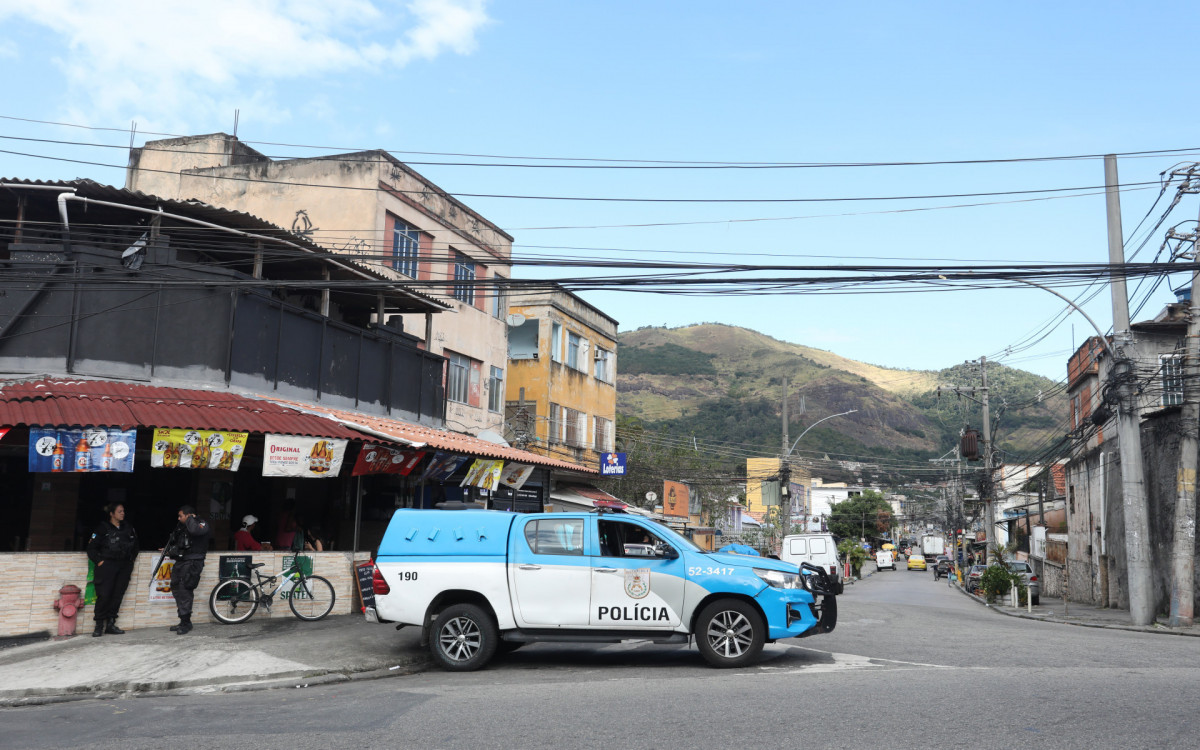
482, 581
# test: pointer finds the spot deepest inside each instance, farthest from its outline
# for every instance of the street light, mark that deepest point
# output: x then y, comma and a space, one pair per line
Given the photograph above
814, 424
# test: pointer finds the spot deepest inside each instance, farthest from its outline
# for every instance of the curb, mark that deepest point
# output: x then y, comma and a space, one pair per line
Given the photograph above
233, 684
1159, 630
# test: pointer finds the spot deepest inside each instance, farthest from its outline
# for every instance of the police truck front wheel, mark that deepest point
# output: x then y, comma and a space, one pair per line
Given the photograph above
730, 633
464, 638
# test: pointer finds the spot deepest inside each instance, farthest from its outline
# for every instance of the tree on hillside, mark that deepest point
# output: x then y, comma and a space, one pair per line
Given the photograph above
863, 515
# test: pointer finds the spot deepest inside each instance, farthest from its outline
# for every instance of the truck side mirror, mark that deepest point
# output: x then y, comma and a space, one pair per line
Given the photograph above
662, 549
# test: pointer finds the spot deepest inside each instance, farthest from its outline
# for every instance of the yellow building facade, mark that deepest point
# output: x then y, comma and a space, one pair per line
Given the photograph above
562, 377
763, 489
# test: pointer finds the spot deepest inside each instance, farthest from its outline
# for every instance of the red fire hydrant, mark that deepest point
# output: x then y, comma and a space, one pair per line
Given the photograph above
68, 604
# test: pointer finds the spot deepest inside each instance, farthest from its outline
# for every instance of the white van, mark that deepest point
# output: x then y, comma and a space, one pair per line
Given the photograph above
814, 549
885, 559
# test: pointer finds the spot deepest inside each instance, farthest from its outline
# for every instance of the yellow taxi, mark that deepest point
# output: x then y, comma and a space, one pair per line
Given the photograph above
916, 562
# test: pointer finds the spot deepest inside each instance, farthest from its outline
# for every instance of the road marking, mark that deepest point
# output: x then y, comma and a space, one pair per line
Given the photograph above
845, 663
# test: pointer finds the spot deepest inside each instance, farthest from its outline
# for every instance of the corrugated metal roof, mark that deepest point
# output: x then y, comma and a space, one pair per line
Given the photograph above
226, 217
101, 403
445, 440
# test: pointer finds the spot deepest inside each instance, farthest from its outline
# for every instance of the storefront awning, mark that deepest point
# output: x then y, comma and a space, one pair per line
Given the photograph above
585, 496
419, 436
103, 403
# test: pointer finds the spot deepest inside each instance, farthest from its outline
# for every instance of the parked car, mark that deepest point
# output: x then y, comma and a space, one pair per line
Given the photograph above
941, 566
1023, 569
916, 562
973, 577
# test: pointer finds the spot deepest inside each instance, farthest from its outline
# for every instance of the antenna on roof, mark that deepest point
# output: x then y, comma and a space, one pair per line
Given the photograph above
236, 114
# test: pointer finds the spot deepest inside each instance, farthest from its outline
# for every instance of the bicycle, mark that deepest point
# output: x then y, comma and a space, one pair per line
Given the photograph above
234, 600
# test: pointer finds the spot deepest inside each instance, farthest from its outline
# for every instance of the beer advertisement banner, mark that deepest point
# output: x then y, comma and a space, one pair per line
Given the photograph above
442, 466
484, 473
160, 587
197, 449
301, 456
515, 475
379, 459
675, 499
81, 450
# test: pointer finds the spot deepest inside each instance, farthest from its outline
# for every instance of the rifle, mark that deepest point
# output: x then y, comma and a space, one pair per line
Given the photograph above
169, 550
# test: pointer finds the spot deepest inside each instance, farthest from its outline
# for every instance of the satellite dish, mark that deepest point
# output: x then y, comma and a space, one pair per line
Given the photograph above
515, 319
651, 496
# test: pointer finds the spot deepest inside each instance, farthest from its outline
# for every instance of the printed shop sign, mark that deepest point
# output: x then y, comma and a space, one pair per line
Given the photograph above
442, 466
484, 473
197, 449
81, 450
160, 587
378, 459
301, 456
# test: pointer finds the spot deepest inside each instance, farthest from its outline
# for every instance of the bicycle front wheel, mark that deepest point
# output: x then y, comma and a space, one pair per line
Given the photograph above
233, 601
311, 598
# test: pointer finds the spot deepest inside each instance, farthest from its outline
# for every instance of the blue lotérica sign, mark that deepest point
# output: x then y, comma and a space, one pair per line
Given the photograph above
612, 464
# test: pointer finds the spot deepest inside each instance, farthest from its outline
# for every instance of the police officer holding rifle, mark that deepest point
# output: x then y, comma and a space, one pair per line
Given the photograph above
188, 543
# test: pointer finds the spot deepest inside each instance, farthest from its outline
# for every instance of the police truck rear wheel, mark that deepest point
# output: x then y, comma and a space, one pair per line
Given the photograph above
730, 633
464, 638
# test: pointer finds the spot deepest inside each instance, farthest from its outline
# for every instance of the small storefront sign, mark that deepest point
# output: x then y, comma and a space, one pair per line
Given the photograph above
197, 449
484, 473
160, 587
379, 459
675, 499
81, 450
515, 475
612, 464
301, 456
442, 466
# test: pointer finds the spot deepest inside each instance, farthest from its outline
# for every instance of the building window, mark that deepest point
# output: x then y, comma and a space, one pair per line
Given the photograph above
574, 349
556, 342
575, 428
499, 306
1171, 366
1076, 411
464, 276
602, 368
556, 424
459, 378
405, 247
602, 440
496, 390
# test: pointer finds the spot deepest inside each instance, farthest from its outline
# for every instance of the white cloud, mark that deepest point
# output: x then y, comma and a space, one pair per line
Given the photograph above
174, 62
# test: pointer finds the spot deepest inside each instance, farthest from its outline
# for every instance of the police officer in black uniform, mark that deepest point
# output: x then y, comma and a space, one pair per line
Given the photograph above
112, 548
191, 538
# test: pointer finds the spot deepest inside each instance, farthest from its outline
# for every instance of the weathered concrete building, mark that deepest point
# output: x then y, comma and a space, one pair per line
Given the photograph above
380, 214
1096, 566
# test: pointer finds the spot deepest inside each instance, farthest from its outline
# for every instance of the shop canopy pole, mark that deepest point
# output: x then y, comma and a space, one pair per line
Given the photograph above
357, 510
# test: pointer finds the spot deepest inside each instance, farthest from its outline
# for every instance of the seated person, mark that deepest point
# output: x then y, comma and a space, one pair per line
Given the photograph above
243, 540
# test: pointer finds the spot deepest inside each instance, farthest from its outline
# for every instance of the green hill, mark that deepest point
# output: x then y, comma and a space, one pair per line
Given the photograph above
723, 385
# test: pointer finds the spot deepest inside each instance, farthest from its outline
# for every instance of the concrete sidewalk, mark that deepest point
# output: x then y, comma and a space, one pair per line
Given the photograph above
1053, 609
262, 653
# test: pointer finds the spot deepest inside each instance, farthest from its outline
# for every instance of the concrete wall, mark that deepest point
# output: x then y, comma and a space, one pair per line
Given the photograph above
1098, 517
32, 581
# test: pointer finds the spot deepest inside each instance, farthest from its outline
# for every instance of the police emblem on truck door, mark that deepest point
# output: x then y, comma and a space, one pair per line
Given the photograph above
637, 583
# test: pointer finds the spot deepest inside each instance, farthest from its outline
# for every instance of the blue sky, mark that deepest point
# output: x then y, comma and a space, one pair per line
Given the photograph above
694, 81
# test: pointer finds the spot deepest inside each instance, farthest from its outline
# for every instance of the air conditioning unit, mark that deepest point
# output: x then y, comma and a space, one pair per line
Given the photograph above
598, 355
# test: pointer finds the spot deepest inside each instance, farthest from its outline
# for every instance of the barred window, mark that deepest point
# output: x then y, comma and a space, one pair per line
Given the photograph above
1171, 366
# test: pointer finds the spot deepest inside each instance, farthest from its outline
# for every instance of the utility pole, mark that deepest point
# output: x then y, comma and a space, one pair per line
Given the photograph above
988, 493
1183, 563
1133, 485
785, 418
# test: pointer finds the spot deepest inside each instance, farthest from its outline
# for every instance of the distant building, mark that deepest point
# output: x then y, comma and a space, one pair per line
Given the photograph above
562, 377
387, 219
764, 489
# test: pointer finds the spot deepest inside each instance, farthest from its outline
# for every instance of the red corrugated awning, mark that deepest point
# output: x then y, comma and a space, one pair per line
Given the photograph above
430, 437
103, 403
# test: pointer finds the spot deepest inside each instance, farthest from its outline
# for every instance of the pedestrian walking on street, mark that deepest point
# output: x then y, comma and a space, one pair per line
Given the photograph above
192, 537
112, 549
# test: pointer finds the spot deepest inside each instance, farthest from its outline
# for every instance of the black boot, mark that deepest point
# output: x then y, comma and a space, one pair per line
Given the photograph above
99, 631
175, 628
184, 627
112, 627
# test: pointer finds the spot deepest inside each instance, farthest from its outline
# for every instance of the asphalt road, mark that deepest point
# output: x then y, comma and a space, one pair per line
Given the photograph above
912, 663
